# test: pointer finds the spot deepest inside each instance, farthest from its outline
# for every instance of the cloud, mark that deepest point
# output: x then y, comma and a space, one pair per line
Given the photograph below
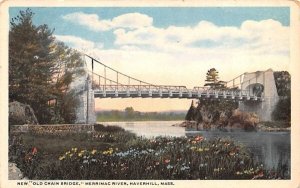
267, 36
181, 55
95, 23
77, 42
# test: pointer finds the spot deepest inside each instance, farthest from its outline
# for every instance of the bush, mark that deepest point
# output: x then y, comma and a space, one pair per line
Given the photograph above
244, 120
111, 129
282, 111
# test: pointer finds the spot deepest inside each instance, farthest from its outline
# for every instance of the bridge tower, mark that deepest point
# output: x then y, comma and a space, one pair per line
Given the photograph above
261, 83
85, 112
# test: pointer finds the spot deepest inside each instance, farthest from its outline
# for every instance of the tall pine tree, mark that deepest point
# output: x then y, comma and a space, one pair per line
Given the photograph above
41, 69
30, 63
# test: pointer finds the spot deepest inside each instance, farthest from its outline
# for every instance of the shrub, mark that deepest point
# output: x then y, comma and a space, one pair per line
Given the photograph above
100, 127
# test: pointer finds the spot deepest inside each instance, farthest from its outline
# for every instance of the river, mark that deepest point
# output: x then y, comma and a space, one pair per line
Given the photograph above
268, 147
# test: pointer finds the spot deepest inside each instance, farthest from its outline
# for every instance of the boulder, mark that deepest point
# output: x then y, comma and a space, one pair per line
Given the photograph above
20, 114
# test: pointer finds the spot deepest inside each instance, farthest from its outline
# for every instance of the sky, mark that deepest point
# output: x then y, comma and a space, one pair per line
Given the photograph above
172, 45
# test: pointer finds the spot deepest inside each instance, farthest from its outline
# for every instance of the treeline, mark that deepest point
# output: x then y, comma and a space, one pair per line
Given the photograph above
130, 115
41, 70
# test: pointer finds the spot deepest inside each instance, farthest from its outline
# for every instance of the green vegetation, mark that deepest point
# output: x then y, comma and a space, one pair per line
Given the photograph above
212, 79
41, 70
130, 115
112, 153
282, 111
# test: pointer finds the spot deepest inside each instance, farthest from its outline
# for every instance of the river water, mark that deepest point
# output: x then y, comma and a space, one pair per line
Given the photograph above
268, 147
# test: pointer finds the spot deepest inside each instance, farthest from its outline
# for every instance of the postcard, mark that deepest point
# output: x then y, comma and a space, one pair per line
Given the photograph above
150, 94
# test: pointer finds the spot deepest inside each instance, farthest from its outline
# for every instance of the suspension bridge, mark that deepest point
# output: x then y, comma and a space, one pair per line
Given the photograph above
255, 91
130, 87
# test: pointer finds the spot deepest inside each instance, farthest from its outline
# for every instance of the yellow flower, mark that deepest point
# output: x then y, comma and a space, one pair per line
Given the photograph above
61, 157
200, 149
193, 148
206, 149
71, 155
74, 149
93, 152
80, 154
68, 152
216, 169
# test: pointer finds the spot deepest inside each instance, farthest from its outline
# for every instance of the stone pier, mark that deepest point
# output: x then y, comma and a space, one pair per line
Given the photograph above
261, 82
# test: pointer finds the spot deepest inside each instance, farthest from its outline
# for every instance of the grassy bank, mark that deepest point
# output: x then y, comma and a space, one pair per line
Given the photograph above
112, 153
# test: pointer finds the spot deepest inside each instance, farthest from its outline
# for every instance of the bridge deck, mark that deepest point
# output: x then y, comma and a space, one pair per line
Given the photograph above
173, 92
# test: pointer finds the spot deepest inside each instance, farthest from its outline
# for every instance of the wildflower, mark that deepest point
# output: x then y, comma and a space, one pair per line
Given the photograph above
157, 163
167, 161
71, 155
193, 148
61, 158
199, 149
199, 138
85, 161
184, 168
74, 149
259, 175
226, 144
34, 151
93, 152
216, 169
169, 166
206, 149
238, 173
231, 153
68, 152
80, 154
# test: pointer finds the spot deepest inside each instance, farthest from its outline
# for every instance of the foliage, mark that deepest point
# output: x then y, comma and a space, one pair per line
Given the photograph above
100, 127
283, 83
244, 120
134, 158
190, 115
30, 63
41, 70
212, 79
214, 111
282, 111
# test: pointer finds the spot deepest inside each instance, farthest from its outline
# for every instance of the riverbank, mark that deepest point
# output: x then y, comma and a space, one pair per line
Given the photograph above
262, 126
123, 155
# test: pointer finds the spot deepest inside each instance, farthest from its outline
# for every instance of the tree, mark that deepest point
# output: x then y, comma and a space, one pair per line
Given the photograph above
41, 70
191, 113
30, 63
212, 79
129, 112
282, 109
